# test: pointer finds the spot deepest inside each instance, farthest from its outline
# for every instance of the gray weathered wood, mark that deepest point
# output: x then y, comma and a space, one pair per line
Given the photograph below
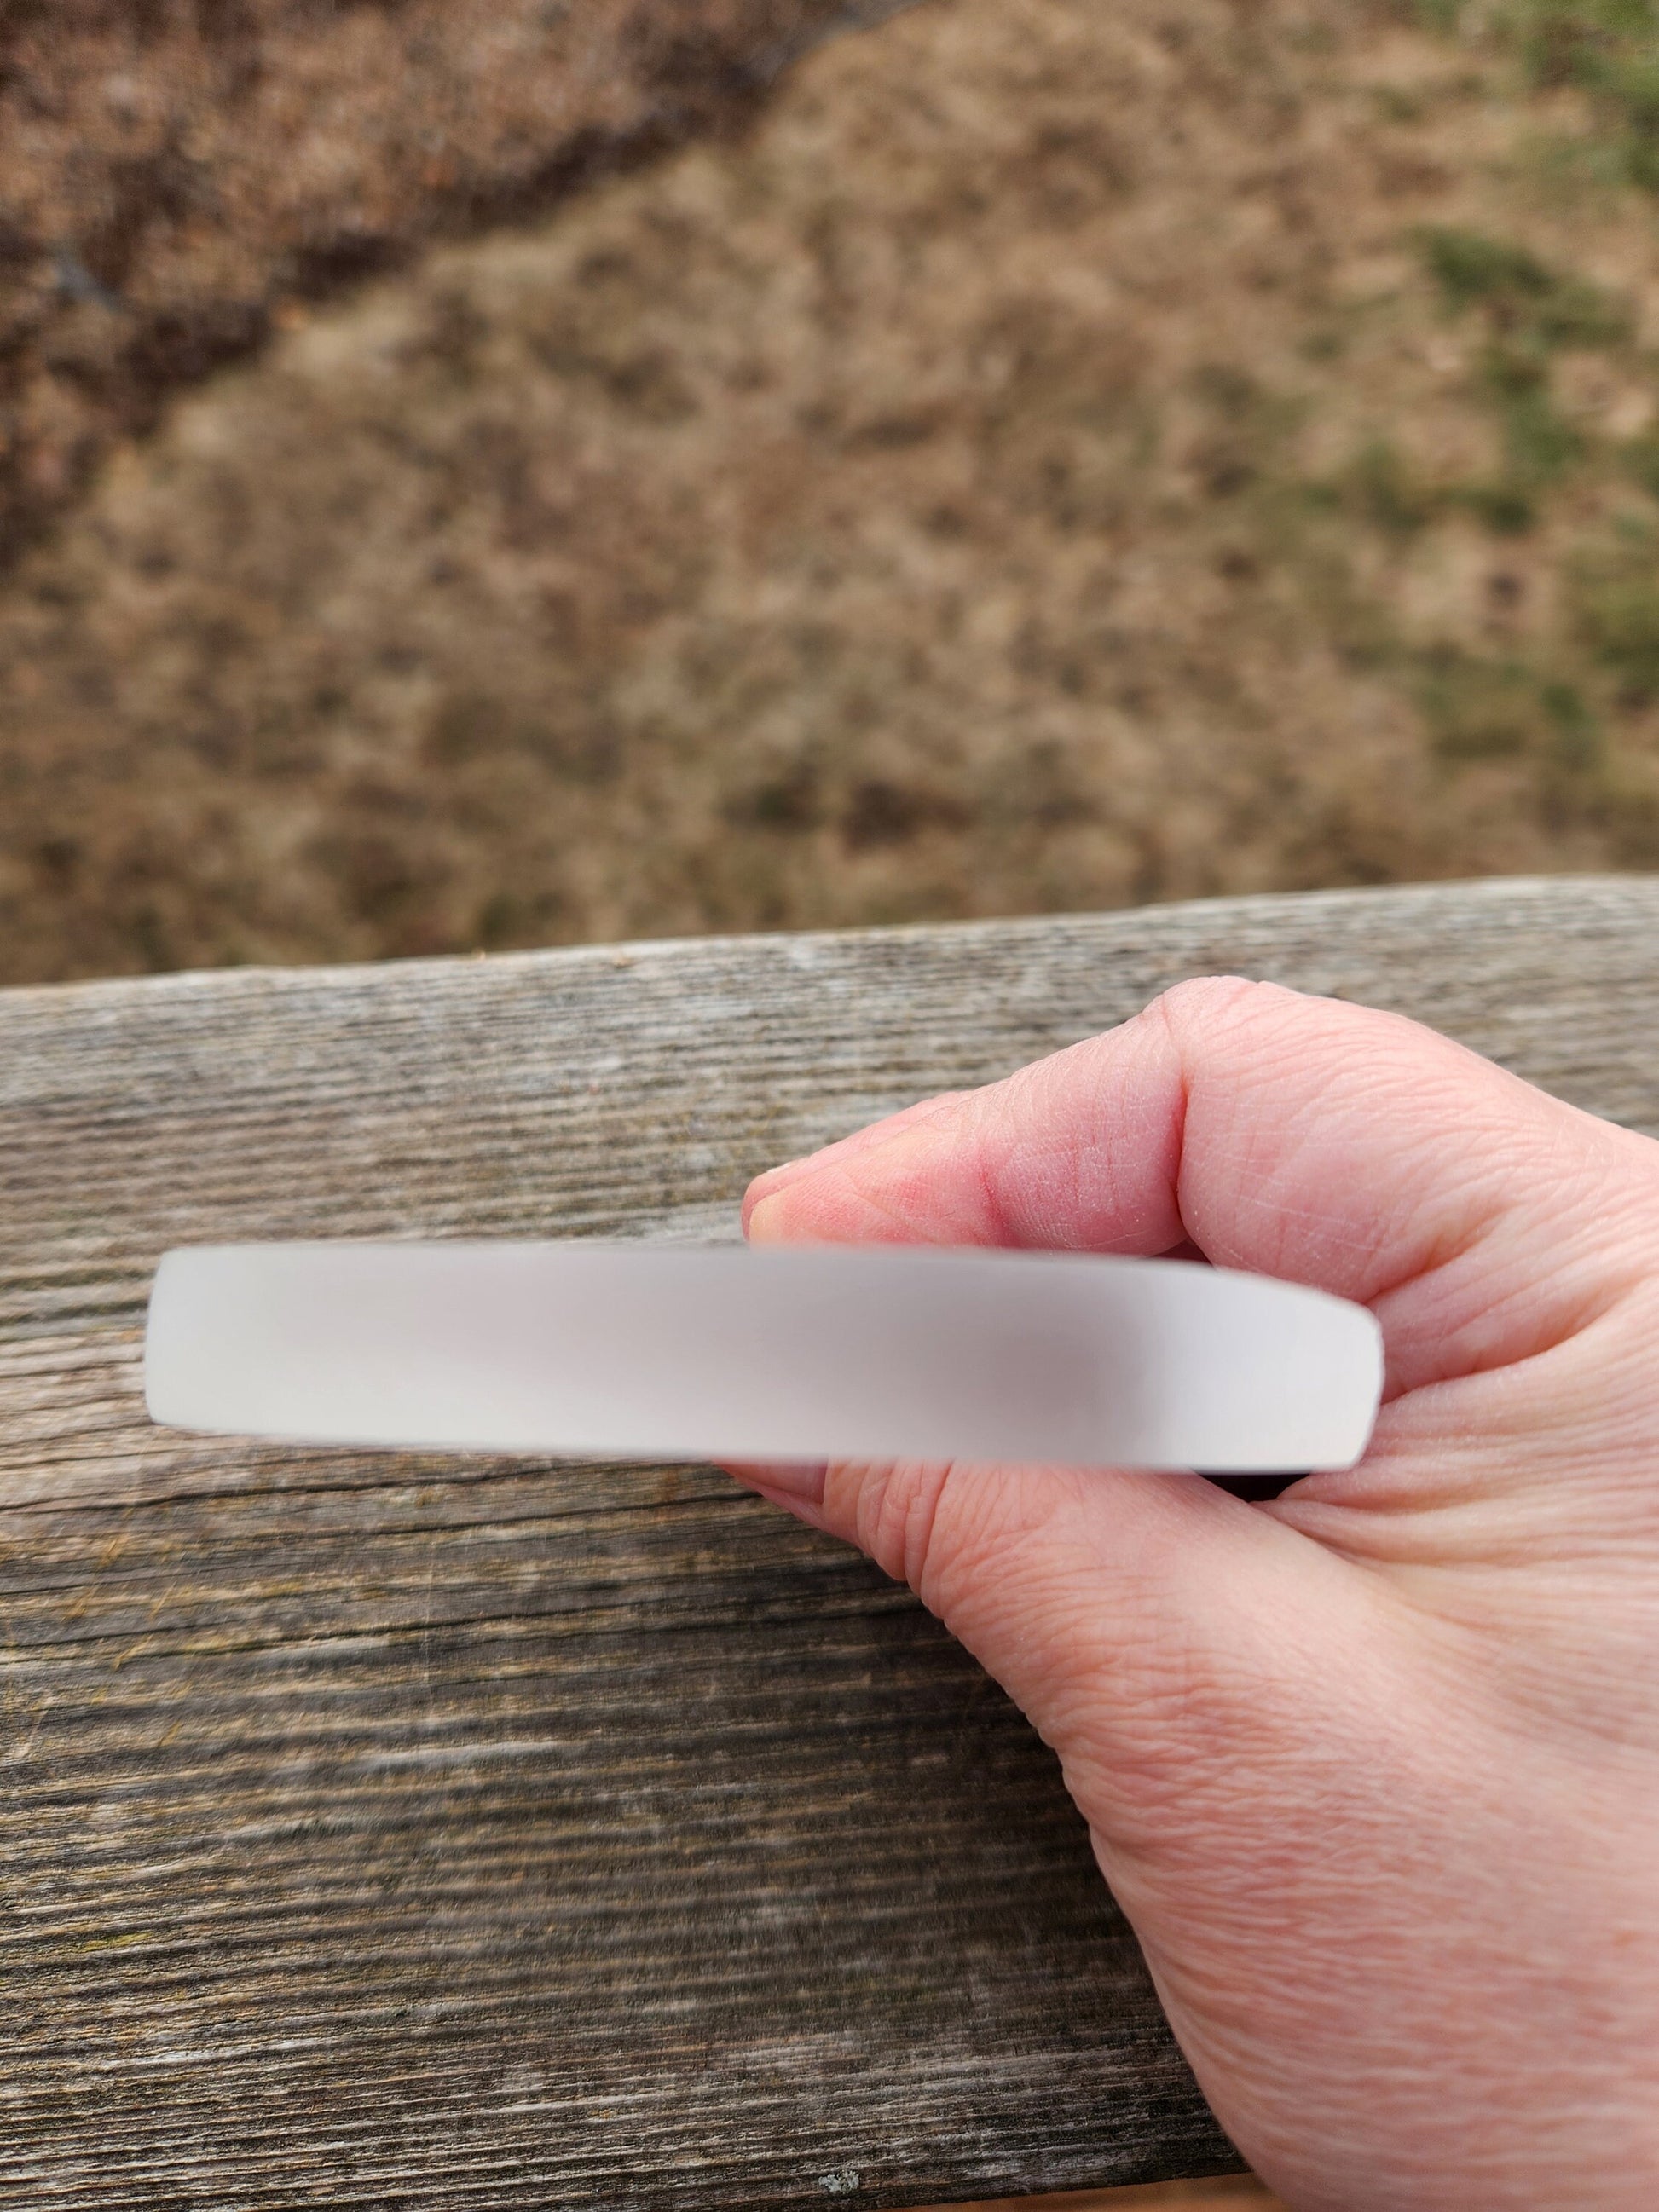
486, 1834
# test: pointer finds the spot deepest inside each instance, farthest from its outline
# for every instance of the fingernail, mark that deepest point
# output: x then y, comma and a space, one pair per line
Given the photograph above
800, 1480
755, 1227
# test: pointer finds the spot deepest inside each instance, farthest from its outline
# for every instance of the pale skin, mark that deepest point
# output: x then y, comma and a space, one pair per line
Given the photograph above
1373, 1768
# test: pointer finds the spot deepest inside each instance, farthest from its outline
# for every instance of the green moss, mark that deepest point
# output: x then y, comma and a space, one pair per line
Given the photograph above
1477, 710
1616, 607
1576, 743
1386, 494
1538, 445
1534, 306
1608, 49
1472, 270
1506, 509
1640, 457
1393, 103
1530, 312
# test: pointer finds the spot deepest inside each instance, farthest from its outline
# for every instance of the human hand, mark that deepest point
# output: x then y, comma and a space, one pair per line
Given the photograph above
1374, 1768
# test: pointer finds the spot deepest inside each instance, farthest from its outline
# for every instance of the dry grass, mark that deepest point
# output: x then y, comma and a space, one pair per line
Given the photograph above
172, 174
1058, 458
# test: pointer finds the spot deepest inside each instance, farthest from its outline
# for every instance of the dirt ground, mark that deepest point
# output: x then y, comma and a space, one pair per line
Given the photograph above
1051, 457
174, 173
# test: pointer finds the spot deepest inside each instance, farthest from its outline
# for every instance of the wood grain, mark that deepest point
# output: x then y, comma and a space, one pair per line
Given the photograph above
1239, 2192
486, 1834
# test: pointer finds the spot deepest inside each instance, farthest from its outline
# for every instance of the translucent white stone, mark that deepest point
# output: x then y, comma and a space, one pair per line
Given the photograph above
640, 1351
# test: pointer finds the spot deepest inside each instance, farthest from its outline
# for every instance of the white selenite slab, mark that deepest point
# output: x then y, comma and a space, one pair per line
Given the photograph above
800, 1352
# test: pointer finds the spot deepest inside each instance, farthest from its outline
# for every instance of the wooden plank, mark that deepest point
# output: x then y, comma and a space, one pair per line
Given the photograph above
1240, 2192
482, 1834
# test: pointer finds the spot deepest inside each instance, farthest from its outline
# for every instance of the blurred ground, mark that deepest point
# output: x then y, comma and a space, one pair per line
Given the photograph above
1028, 456
174, 173
1052, 456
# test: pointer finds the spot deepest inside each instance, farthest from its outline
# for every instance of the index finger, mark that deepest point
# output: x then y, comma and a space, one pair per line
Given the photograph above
1303, 1137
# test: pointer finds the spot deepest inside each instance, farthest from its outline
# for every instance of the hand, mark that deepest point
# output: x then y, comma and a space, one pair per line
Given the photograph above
1374, 1768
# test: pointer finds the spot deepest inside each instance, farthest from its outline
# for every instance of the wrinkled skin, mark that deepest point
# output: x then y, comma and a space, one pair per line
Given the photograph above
1373, 1768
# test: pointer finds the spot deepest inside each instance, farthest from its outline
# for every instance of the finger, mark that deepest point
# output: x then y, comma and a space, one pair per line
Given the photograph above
1297, 1137
848, 1148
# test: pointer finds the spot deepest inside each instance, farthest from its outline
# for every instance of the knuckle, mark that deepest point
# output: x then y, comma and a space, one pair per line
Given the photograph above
897, 1517
1203, 1003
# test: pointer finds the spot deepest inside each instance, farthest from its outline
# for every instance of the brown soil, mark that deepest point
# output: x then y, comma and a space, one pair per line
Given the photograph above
1058, 457
173, 173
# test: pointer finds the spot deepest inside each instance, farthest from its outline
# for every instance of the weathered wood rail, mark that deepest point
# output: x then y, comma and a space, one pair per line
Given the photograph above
485, 1835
